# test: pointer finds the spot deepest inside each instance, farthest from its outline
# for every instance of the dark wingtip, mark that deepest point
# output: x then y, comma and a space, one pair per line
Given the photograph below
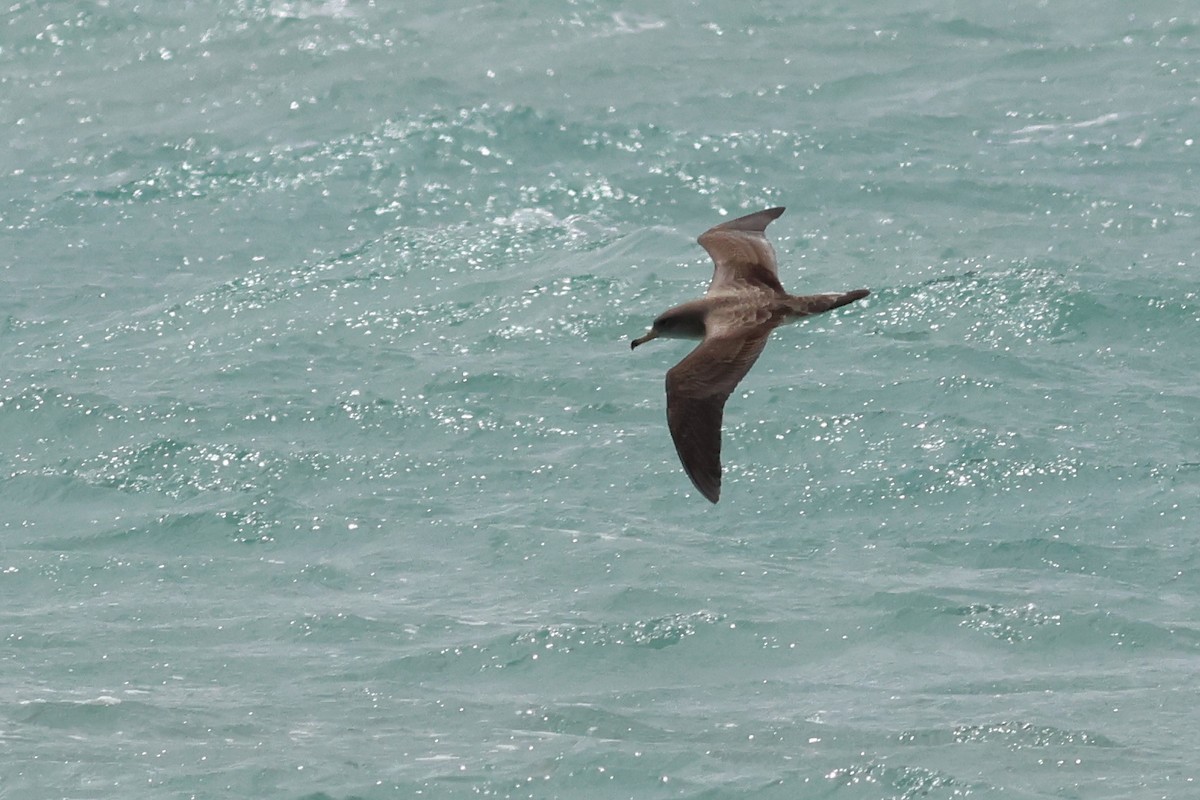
710, 490
709, 486
755, 223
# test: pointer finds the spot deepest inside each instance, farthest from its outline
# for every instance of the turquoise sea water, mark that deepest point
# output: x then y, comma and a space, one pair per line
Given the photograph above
326, 470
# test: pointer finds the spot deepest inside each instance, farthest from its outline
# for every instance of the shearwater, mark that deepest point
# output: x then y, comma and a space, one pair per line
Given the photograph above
744, 303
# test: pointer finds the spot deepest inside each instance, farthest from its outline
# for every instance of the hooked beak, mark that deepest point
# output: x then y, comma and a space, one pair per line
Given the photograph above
649, 335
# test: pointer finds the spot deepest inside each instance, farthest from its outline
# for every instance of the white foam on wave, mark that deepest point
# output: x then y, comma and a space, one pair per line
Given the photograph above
1103, 119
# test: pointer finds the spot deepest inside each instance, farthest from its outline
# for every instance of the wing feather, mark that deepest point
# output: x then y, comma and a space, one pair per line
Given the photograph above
697, 388
741, 253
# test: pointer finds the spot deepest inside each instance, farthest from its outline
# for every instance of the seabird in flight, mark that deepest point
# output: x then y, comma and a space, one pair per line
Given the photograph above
744, 303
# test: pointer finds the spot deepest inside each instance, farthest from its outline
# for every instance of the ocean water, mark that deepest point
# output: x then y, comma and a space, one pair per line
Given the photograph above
326, 470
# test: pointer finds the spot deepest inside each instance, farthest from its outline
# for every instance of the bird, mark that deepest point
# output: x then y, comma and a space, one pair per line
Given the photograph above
744, 303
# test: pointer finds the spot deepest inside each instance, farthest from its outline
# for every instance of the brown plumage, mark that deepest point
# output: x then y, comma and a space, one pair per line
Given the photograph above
744, 303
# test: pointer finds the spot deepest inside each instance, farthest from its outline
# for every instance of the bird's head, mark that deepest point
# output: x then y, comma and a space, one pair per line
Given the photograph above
678, 323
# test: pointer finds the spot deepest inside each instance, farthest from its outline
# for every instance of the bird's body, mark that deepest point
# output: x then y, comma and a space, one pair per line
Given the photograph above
744, 303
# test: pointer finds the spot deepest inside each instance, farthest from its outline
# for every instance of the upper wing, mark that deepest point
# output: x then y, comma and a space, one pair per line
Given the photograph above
697, 389
741, 253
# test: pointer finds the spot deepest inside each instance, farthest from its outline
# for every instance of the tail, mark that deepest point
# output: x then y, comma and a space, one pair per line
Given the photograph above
804, 305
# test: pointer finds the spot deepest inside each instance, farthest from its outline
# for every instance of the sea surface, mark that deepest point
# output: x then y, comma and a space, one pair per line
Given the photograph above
326, 470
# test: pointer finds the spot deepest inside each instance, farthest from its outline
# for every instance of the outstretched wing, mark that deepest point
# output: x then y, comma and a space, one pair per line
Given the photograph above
697, 388
741, 254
